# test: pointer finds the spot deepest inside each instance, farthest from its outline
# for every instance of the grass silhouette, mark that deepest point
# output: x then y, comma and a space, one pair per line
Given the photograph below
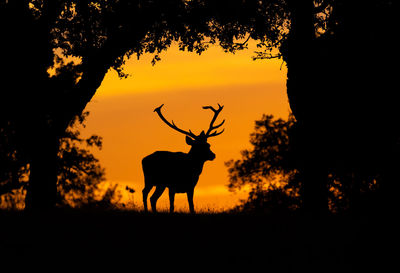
280, 243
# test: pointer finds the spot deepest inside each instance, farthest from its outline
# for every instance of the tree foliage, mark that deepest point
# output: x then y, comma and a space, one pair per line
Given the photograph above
268, 169
99, 35
270, 156
351, 119
79, 173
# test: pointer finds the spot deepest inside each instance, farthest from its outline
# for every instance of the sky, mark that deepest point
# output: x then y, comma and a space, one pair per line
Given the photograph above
122, 113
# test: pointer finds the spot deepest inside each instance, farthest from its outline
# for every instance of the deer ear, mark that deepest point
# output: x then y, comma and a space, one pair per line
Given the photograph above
189, 141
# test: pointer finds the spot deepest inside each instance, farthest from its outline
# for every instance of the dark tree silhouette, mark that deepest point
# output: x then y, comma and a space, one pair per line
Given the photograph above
328, 64
270, 158
79, 173
272, 173
341, 94
99, 35
268, 168
340, 87
13, 164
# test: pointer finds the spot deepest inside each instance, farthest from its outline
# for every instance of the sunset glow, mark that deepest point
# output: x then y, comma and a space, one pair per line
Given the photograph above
122, 113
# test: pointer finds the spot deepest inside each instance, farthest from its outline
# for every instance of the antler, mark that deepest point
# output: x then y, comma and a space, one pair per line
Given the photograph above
172, 125
212, 127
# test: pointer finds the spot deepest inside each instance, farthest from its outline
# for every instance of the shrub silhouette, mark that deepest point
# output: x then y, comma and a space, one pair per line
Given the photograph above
271, 171
268, 168
79, 172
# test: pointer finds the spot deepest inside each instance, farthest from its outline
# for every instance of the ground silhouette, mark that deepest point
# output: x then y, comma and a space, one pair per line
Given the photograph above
280, 243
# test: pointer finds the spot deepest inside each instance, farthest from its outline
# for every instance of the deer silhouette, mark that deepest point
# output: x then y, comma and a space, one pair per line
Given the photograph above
177, 171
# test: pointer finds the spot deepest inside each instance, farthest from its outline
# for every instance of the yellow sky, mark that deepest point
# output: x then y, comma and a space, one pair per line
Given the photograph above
122, 113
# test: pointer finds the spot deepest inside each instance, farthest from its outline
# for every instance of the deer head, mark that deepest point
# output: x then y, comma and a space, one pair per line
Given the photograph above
200, 148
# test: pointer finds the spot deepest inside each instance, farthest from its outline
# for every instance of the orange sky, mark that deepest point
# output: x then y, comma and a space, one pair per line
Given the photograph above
122, 113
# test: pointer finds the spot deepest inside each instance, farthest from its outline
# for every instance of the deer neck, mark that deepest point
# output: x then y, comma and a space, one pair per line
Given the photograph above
195, 162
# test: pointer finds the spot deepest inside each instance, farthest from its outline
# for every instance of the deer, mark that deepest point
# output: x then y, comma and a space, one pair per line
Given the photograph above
178, 171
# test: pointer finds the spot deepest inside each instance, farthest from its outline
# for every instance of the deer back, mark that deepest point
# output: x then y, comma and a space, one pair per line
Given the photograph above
172, 169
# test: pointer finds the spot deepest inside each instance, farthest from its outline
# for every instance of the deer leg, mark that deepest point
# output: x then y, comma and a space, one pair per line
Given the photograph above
153, 199
190, 200
145, 192
171, 200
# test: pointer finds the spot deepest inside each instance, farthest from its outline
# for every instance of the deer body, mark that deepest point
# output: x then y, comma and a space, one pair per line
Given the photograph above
179, 172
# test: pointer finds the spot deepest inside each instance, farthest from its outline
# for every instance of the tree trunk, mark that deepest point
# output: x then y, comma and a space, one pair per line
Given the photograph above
42, 189
299, 54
